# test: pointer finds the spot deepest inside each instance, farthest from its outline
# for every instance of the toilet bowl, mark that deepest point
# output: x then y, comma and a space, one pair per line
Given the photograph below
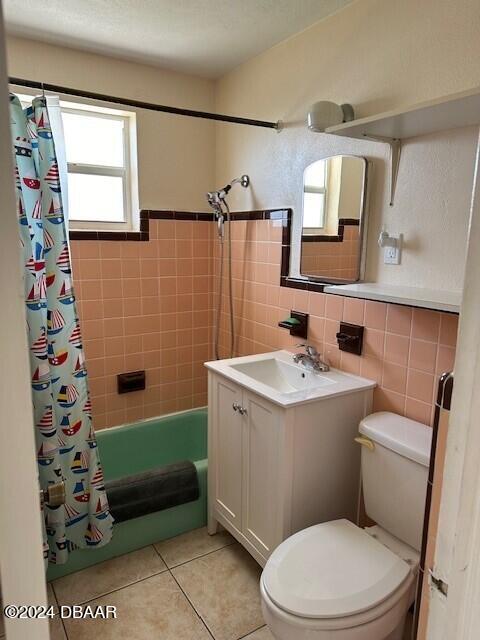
337, 581
386, 622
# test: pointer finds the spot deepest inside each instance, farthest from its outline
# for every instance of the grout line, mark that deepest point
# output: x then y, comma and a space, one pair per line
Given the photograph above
54, 593
157, 573
193, 606
62, 622
129, 584
64, 628
253, 631
125, 586
159, 554
203, 555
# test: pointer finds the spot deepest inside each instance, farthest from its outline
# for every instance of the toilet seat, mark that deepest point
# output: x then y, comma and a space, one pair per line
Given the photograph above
333, 570
363, 626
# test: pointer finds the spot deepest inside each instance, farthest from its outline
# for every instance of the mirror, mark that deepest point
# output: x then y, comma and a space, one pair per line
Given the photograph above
333, 219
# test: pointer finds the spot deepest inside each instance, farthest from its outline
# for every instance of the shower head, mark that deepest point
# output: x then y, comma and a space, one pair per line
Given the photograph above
217, 198
215, 201
243, 180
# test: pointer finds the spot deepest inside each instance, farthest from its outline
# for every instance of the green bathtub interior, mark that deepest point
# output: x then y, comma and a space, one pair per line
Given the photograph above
138, 447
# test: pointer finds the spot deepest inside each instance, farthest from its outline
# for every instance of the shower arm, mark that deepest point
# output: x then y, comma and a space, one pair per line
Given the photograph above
243, 180
217, 198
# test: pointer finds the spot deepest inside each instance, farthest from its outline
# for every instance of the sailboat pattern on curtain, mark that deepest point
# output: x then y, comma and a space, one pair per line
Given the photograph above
66, 444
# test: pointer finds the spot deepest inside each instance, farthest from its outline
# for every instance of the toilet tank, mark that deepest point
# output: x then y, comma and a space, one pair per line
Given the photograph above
395, 474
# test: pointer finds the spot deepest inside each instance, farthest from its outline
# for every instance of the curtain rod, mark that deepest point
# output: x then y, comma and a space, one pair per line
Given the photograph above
44, 86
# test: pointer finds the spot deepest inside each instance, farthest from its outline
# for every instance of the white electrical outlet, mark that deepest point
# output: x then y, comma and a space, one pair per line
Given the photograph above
391, 255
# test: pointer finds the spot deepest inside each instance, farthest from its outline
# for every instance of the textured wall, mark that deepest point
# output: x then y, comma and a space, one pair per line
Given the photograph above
175, 154
378, 55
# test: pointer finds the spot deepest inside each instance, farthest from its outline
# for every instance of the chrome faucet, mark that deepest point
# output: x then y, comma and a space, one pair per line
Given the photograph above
310, 359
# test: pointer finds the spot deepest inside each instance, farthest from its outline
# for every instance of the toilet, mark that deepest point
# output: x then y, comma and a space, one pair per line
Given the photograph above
337, 581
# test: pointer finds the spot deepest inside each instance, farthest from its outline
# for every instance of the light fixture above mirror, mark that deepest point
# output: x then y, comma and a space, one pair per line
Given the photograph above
326, 114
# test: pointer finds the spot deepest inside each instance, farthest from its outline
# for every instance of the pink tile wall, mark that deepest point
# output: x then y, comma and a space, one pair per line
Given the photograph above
150, 305
405, 349
146, 305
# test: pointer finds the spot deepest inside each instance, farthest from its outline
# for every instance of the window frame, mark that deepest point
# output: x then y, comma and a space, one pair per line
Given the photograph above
124, 172
130, 183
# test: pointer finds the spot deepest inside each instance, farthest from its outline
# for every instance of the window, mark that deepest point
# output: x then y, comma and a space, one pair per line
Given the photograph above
314, 196
101, 189
101, 152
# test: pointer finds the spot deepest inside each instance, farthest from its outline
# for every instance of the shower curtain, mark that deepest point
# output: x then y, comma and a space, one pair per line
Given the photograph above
66, 444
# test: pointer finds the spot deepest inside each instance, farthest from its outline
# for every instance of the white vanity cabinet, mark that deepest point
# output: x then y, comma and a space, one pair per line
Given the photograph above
273, 469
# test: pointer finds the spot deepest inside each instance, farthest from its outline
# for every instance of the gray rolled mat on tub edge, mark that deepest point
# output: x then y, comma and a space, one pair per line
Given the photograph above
154, 490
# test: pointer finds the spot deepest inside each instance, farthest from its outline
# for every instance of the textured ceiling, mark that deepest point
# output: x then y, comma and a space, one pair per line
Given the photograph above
202, 37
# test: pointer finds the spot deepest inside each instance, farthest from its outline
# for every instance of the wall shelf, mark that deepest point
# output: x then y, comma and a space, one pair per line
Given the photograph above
391, 127
411, 296
449, 112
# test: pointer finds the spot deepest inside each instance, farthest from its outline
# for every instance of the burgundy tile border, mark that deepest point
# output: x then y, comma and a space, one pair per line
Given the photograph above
285, 279
310, 238
247, 215
284, 266
143, 235
261, 214
349, 222
159, 214
83, 235
300, 283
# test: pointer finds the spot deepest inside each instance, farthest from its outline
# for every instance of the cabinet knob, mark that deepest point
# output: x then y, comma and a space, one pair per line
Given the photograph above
241, 410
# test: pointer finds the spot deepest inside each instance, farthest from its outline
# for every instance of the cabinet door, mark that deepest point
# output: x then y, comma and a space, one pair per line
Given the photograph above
227, 446
263, 423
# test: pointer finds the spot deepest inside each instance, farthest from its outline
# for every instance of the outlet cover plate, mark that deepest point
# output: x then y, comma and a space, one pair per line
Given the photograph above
391, 255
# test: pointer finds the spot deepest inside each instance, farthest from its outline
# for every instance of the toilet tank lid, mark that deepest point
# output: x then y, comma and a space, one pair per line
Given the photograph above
407, 437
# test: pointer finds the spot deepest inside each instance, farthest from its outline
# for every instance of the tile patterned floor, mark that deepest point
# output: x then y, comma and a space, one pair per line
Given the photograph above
223, 587
193, 587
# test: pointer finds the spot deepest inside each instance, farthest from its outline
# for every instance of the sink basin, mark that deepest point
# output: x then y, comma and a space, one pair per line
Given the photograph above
281, 376
276, 377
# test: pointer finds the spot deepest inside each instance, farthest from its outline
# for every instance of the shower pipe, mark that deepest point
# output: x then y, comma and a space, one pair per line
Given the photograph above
220, 290
219, 205
138, 104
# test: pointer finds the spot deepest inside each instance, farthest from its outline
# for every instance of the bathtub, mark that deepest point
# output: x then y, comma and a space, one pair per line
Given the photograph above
137, 447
